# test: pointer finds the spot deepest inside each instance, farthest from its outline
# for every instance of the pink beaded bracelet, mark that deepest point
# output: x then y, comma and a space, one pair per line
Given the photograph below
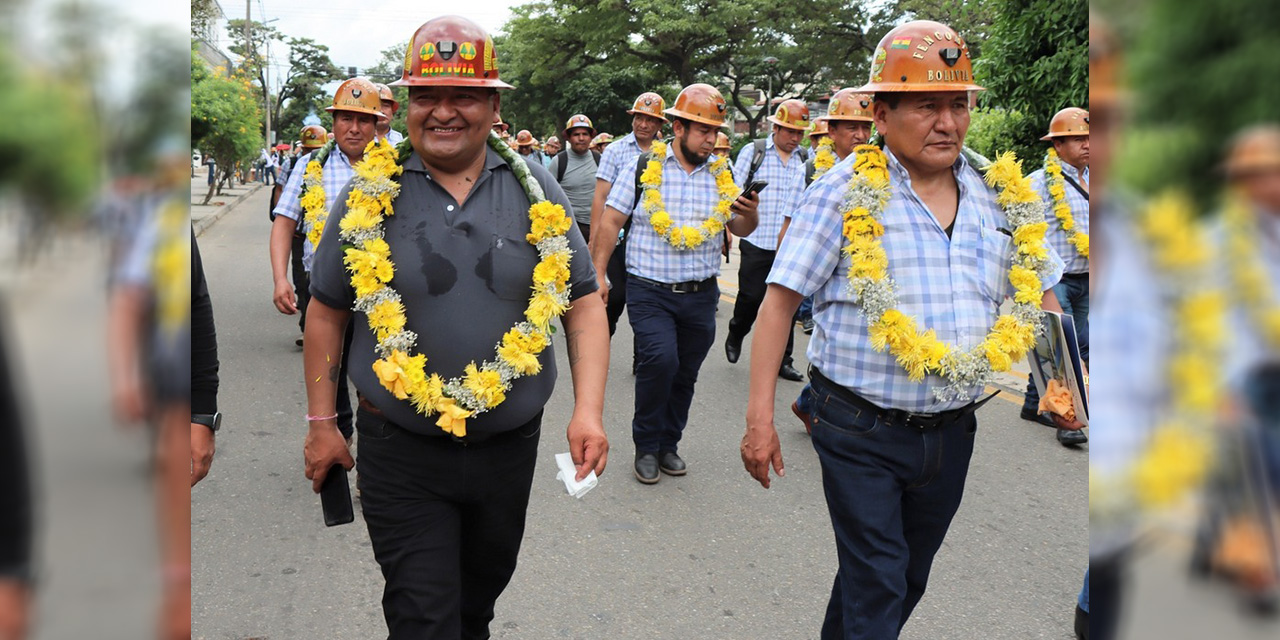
311, 418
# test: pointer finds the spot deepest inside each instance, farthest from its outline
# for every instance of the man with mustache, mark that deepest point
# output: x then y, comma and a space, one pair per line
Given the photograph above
894, 453
356, 109
671, 284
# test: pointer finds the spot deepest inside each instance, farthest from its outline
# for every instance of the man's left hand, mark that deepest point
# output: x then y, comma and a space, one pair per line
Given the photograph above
588, 445
202, 447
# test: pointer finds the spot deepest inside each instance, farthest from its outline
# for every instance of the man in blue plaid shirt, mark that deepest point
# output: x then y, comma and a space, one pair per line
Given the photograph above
894, 455
671, 292
356, 110
1069, 133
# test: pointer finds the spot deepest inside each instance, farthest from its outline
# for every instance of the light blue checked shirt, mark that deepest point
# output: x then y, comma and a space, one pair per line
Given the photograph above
1079, 204
393, 136
619, 158
786, 184
337, 172
689, 199
954, 286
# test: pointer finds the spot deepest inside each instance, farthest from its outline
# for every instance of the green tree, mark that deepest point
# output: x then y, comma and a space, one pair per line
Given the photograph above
970, 18
302, 92
388, 69
224, 118
204, 16
1035, 62
253, 58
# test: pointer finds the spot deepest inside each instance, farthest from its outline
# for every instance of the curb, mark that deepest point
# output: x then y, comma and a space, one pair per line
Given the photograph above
204, 223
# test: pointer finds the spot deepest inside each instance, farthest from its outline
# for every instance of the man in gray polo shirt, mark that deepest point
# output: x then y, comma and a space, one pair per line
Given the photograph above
446, 513
576, 169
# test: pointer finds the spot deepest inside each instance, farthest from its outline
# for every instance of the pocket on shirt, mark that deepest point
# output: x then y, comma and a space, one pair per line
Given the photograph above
513, 263
996, 249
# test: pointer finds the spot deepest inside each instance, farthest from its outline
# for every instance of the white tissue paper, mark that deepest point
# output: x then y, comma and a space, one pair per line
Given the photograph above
568, 472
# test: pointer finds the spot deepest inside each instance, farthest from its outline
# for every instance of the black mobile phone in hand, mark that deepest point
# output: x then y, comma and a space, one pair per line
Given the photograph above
756, 186
335, 497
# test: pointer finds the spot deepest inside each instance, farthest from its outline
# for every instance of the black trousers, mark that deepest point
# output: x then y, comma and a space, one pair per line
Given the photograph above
617, 273
446, 520
301, 280
756, 263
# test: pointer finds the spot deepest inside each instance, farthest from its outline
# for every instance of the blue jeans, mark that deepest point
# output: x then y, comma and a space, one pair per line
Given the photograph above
805, 310
673, 333
892, 490
1073, 295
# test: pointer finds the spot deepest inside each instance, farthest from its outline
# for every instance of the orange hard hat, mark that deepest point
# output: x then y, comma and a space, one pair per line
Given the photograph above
524, 138
649, 104
576, 121
1254, 149
499, 125
819, 128
385, 94
313, 136
602, 138
849, 104
1072, 121
553, 140
450, 51
792, 114
357, 95
921, 55
700, 103
722, 142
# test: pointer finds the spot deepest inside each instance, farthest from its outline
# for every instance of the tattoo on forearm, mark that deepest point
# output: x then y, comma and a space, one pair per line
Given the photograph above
333, 373
572, 341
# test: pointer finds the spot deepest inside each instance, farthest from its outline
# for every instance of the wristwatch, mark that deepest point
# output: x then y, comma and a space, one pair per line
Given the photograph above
211, 420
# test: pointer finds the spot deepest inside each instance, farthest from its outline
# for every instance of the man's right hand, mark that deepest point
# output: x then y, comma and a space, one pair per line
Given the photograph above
284, 298
14, 604
603, 281
324, 447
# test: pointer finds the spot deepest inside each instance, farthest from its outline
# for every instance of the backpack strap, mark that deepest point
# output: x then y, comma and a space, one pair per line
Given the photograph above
809, 170
562, 163
1076, 185
596, 155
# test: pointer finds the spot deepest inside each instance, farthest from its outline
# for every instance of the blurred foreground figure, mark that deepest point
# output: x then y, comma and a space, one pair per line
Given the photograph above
1237, 539
15, 511
149, 351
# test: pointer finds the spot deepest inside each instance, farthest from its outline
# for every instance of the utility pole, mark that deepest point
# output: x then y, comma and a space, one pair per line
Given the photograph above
266, 70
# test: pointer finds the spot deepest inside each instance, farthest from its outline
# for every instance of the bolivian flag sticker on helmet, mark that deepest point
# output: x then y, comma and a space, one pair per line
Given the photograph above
901, 43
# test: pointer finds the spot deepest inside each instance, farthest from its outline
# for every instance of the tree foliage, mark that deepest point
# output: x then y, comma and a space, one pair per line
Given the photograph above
310, 68
1036, 62
224, 116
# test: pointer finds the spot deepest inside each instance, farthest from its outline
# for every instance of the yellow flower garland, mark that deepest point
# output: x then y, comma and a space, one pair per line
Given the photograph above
680, 236
368, 260
1062, 210
1252, 283
921, 352
313, 196
824, 158
171, 266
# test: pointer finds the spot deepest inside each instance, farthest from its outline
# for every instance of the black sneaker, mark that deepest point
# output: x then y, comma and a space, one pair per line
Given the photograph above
1034, 416
671, 464
1069, 438
807, 326
646, 468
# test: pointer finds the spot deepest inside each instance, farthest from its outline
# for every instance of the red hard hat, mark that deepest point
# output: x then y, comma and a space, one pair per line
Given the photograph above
450, 51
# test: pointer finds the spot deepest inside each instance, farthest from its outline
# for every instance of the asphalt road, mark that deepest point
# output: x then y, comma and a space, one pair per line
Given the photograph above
708, 555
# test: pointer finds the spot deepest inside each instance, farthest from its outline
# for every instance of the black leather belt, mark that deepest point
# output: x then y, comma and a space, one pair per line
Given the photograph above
693, 286
1076, 276
898, 416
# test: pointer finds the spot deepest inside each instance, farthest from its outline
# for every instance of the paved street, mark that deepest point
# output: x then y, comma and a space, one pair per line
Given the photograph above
709, 555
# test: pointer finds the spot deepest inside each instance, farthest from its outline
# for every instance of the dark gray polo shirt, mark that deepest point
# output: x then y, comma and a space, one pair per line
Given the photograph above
465, 274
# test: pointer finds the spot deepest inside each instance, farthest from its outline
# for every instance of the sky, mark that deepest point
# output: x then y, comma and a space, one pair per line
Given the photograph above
356, 32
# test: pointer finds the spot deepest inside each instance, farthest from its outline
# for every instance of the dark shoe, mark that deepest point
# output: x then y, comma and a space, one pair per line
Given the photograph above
788, 372
1082, 624
671, 464
1027, 414
298, 342
732, 348
807, 326
647, 468
804, 417
1070, 438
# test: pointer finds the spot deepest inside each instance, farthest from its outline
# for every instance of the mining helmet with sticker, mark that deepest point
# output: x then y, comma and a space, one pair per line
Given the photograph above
649, 104
792, 114
603, 138
722, 142
1072, 121
313, 136
921, 55
848, 104
499, 125
524, 138
450, 51
359, 96
1253, 150
578, 121
385, 95
819, 128
702, 103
